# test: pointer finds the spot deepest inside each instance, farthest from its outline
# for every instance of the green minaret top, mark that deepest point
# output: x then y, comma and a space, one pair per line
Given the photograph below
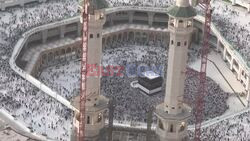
182, 9
98, 4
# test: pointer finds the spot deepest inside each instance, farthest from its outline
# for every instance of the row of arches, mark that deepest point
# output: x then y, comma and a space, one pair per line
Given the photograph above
58, 55
141, 17
234, 65
171, 127
55, 56
135, 35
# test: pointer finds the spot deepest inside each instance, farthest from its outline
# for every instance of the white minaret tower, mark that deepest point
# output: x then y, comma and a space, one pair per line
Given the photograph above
173, 114
96, 104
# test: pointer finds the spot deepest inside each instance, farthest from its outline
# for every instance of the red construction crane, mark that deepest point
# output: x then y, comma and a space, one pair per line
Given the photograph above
85, 23
205, 4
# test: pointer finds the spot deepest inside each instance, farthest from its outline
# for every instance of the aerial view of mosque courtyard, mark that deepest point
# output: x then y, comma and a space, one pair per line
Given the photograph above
124, 70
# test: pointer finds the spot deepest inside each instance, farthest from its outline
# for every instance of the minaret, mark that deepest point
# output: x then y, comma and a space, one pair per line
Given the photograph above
173, 114
96, 104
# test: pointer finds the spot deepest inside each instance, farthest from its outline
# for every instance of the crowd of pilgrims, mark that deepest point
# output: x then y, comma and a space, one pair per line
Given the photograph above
235, 128
132, 104
26, 103
232, 25
227, 19
56, 76
147, 3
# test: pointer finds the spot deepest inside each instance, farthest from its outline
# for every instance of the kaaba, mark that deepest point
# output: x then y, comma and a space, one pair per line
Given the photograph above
150, 82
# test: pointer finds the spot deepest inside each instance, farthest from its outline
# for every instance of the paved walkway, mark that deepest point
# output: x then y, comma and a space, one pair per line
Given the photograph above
213, 73
19, 127
229, 75
221, 74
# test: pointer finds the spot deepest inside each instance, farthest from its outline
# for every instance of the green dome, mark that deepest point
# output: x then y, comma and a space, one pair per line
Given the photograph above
99, 4
181, 12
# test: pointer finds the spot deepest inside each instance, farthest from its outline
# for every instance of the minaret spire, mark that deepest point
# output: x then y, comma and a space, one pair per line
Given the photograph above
182, 3
97, 5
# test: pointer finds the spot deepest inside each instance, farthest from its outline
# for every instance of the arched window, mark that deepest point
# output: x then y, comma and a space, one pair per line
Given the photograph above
160, 124
88, 120
189, 23
101, 16
171, 128
182, 127
178, 44
171, 21
91, 36
99, 119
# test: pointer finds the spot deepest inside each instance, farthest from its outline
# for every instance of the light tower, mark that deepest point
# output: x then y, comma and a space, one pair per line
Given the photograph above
92, 103
173, 113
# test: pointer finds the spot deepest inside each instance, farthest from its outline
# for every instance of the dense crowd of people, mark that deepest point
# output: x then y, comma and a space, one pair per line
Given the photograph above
235, 128
147, 3
233, 25
215, 101
28, 104
228, 19
132, 105
38, 111
56, 76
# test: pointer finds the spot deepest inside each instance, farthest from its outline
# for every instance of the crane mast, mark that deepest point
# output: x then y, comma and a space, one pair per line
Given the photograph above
205, 4
84, 59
